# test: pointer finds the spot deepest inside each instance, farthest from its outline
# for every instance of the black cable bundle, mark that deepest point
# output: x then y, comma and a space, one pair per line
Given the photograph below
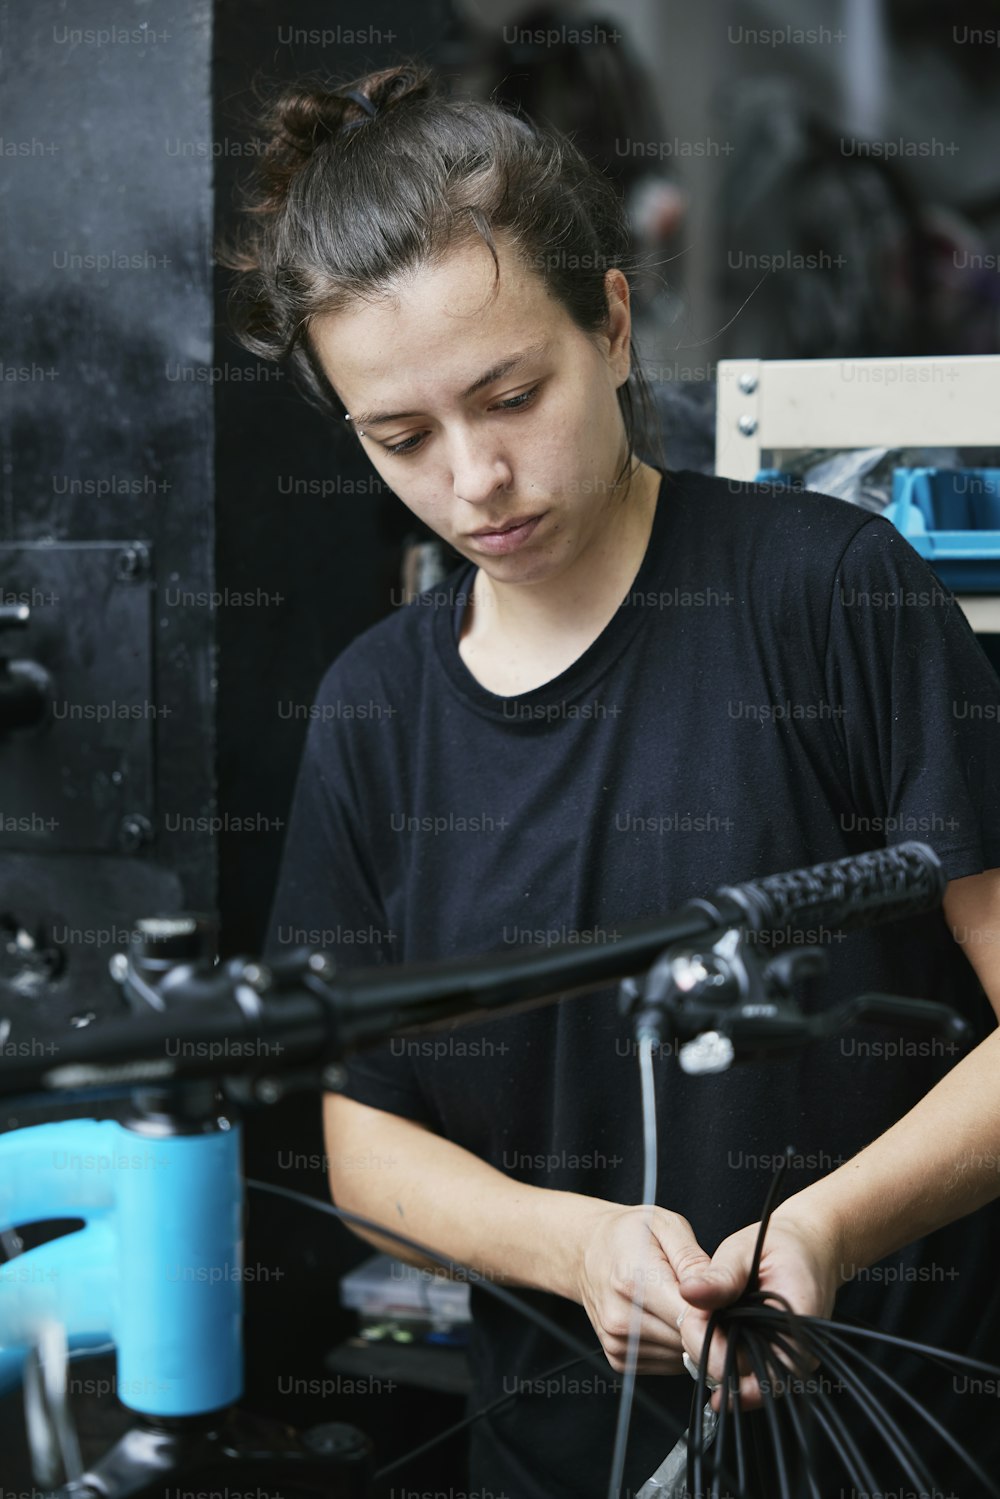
804, 1421
797, 1423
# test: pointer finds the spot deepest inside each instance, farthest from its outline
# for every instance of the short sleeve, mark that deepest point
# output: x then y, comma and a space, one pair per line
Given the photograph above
916, 703
327, 897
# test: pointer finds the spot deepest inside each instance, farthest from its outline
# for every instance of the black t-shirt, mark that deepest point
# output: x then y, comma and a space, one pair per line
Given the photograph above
784, 683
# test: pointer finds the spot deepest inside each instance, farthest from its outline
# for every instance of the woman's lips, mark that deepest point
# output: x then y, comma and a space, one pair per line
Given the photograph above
498, 542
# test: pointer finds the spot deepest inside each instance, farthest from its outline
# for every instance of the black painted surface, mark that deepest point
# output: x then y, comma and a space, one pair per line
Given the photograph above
105, 331
106, 432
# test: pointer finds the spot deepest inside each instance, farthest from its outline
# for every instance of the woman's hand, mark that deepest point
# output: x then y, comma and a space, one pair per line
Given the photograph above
638, 1251
632, 1251
799, 1260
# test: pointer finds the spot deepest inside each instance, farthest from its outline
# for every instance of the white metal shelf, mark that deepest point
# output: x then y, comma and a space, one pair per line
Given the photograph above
781, 404
982, 610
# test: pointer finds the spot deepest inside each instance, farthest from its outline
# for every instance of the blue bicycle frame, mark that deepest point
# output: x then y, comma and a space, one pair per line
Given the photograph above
156, 1268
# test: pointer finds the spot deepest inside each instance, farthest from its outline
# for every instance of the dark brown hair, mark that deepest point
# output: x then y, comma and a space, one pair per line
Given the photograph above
342, 202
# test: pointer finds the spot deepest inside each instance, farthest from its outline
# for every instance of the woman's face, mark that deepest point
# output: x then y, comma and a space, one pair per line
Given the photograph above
476, 446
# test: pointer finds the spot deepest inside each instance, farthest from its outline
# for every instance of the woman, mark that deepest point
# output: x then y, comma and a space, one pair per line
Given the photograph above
637, 686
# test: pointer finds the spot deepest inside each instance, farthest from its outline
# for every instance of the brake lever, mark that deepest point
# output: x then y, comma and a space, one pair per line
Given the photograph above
888, 1008
723, 1004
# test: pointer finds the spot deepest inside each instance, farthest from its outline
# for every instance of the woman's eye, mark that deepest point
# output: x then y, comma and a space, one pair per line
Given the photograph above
514, 403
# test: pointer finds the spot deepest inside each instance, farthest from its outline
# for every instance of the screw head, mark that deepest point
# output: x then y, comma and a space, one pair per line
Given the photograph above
335, 1437
747, 383
132, 562
133, 831
748, 425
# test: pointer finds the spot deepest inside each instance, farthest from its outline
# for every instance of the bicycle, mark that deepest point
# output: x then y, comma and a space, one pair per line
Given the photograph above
180, 1201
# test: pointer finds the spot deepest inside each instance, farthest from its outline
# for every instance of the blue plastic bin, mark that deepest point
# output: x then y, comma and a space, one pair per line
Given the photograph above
952, 518
778, 478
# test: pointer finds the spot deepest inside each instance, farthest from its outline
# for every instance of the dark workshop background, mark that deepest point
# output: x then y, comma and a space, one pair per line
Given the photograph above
147, 460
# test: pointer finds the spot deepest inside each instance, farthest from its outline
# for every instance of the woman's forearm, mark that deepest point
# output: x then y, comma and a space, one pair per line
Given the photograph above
409, 1179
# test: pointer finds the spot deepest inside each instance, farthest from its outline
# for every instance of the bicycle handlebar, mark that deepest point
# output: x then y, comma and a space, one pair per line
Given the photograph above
251, 1018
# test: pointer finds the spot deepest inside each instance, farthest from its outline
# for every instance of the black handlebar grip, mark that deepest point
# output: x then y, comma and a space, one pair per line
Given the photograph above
861, 890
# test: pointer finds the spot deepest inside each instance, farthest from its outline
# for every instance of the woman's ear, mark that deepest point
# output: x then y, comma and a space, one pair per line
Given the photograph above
619, 326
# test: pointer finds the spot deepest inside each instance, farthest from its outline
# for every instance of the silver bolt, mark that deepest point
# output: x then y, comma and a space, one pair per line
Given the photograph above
132, 562
334, 1077
709, 1052
748, 425
747, 383
133, 831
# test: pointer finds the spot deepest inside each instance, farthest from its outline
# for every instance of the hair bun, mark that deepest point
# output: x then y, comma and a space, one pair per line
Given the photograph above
300, 118
302, 115
390, 86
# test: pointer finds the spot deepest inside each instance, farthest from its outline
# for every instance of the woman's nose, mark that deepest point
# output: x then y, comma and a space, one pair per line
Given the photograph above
480, 471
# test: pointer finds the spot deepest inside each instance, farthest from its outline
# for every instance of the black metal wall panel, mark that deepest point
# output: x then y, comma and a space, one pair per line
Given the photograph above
107, 441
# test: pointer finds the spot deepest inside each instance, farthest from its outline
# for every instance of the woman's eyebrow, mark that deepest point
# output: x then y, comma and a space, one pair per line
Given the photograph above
495, 372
